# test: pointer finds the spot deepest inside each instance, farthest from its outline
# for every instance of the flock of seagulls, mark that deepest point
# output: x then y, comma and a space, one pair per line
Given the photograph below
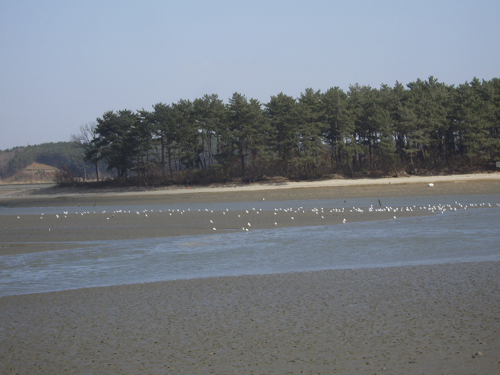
285, 216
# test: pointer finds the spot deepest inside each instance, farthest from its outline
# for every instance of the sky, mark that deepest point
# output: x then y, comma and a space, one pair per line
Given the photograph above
65, 63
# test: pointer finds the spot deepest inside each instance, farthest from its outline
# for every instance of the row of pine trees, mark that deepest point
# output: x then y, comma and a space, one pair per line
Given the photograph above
425, 125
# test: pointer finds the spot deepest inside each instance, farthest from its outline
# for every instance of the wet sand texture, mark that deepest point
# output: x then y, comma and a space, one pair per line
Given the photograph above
441, 319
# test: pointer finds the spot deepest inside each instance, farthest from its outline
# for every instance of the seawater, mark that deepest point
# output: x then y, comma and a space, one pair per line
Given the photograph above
461, 236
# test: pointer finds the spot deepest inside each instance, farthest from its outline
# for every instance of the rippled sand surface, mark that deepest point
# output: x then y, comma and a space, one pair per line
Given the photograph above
402, 320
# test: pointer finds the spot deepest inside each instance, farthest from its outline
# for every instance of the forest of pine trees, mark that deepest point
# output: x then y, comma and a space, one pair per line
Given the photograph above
425, 126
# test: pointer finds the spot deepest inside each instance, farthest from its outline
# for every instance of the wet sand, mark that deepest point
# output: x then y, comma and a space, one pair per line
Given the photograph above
34, 233
440, 319
403, 320
88, 218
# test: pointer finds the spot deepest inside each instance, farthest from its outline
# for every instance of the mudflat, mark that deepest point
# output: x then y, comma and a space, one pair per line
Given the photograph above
88, 216
433, 319
403, 320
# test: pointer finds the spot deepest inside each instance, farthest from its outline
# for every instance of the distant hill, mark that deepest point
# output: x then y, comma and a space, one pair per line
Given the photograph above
53, 156
34, 173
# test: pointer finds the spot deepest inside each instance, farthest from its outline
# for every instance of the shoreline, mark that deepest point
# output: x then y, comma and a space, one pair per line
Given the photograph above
487, 183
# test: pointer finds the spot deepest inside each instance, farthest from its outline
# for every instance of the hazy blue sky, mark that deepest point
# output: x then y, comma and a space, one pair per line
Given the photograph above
64, 63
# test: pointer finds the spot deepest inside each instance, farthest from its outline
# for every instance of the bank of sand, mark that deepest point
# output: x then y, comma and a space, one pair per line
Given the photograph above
440, 319
487, 183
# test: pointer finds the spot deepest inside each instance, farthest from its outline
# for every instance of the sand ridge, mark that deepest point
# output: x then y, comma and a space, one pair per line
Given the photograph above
449, 184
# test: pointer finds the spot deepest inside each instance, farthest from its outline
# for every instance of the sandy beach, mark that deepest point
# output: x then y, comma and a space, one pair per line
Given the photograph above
471, 184
433, 319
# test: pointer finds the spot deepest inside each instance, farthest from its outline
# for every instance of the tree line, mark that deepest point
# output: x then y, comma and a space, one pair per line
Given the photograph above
425, 125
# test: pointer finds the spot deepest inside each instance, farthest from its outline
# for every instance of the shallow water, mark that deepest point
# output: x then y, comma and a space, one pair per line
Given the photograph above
460, 236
